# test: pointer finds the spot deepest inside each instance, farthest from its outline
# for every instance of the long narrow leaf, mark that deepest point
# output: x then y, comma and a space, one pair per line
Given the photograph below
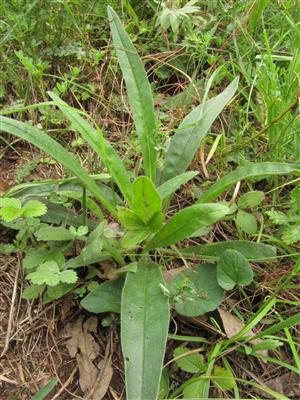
47, 144
252, 251
192, 130
170, 186
145, 318
106, 152
139, 92
186, 222
250, 170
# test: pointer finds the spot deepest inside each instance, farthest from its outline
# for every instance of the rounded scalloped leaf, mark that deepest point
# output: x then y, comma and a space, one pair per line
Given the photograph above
10, 202
68, 276
233, 269
34, 208
200, 292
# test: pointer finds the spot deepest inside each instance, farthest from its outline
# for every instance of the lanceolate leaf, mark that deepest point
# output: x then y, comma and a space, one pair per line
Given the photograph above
170, 186
139, 92
252, 251
103, 148
192, 130
251, 170
47, 144
144, 328
186, 222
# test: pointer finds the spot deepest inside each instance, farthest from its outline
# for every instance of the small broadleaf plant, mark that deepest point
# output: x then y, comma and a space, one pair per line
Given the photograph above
143, 223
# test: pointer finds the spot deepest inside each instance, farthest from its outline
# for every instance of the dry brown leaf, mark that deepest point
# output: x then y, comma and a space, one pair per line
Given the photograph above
93, 380
82, 345
81, 338
103, 379
108, 271
232, 326
87, 372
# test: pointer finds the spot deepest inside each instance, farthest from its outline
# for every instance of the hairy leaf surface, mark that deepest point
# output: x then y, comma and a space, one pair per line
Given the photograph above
144, 328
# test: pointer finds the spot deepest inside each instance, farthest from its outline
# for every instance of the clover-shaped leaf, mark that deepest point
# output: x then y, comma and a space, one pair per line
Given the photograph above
68, 276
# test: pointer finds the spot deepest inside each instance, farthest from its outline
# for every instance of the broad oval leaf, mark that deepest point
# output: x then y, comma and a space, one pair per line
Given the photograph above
223, 378
247, 222
105, 298
251, 170
145, 318
233, 269
200, 290
54, 233
186, 222
192, 130
196, 388
44, 142
139, 92
252, 251
192, 363
251, 199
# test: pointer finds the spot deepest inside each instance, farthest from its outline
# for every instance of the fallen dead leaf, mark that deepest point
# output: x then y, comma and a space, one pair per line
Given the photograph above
80, 338
108, 271
94, 380
232, 326
103, 380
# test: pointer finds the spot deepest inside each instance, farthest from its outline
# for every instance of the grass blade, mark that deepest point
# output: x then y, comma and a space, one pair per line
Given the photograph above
50, 146
250, 170
139, 92
43, 393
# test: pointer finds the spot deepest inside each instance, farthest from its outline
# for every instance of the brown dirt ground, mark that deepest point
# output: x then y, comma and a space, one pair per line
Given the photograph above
34, 345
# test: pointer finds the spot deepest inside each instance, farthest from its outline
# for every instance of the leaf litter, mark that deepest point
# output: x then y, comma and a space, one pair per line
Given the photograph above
94, 377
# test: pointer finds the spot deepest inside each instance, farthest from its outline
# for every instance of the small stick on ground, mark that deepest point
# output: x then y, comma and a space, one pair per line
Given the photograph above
66, 384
